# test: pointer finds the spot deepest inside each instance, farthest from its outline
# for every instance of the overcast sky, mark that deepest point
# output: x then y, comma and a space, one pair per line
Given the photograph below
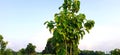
21, 22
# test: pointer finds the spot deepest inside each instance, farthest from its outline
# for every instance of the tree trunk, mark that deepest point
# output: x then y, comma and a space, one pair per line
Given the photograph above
71, 49
65, 47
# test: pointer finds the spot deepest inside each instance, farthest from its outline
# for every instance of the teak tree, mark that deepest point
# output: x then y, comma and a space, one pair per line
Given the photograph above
68, 28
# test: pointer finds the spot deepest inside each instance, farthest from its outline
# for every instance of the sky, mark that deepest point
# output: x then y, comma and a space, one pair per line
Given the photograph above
22, 22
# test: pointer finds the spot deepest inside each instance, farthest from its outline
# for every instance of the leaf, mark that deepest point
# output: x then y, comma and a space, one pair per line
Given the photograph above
89, 24
87, 30
57, 44
50, 25
81, 17
46, 22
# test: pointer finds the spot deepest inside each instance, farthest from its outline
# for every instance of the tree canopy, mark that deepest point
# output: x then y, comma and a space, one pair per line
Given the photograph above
68, 28
2, 45
115, 52
30, 49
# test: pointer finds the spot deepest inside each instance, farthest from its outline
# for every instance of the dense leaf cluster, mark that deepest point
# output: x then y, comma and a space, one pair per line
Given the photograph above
2, 45
115, 52
29, 50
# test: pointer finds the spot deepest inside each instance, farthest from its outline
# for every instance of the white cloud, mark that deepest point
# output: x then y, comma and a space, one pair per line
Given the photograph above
40, 39
102, 38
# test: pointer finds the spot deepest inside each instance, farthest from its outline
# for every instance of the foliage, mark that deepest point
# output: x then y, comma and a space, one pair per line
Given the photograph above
90, 52
8, 52
30, 49
99, 53
68, 28
50, 48
115, 52
2, 45
22, 51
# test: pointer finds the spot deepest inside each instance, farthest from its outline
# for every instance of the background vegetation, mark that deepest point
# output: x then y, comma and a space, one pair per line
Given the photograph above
30, 50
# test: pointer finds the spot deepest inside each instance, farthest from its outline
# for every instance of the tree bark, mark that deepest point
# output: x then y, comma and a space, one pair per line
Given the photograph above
71, 49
